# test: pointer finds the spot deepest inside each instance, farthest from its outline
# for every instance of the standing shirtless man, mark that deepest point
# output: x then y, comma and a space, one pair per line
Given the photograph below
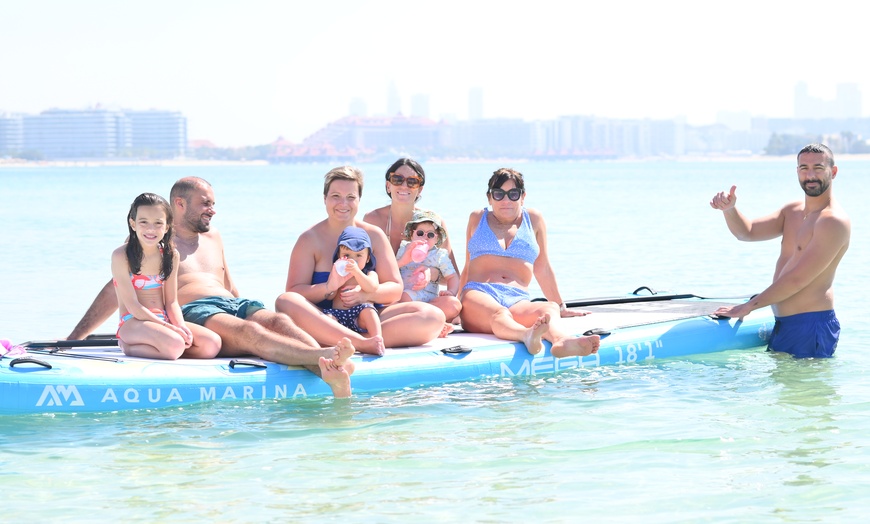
815, 236
209, 298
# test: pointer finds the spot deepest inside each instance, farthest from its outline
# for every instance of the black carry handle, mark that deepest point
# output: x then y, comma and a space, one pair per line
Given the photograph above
29, 360
247, 362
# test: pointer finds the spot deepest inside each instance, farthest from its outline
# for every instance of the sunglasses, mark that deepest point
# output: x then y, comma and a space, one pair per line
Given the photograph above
411, 182
513, 194
429, 234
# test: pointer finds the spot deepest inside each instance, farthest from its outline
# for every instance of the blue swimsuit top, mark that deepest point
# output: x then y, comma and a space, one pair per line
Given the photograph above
524, 245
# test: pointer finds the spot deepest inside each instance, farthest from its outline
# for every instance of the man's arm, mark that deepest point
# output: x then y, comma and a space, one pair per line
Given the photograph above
828, 241
764, 228
101, 309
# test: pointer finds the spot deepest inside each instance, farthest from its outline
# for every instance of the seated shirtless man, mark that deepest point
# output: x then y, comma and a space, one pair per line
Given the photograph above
209, 298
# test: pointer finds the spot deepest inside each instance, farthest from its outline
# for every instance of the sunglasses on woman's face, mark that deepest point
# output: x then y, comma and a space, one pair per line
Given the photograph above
411, 182
513, 194
429, 234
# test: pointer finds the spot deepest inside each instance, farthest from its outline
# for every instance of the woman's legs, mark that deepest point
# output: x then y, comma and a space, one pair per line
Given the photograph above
526, 322
322, 327
564, 343
450, 305
482, 314
411, 324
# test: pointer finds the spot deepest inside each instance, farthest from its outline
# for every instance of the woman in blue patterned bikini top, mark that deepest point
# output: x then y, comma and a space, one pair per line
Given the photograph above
523, 246
506, 248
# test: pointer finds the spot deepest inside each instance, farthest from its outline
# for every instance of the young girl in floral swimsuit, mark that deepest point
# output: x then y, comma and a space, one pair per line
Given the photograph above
146, 283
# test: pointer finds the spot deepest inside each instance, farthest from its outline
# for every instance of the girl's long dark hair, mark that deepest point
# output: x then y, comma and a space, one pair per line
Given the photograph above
134, 248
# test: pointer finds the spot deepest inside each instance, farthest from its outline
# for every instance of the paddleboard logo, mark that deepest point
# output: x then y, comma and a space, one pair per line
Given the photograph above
60, 396
546, 365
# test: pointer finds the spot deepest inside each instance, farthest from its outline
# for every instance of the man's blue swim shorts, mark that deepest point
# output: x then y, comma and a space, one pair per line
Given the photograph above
814, 334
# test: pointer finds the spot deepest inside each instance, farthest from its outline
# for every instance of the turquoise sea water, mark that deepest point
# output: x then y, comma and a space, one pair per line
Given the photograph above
735, 437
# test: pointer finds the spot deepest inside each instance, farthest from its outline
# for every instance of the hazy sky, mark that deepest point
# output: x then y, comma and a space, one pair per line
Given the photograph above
246, 72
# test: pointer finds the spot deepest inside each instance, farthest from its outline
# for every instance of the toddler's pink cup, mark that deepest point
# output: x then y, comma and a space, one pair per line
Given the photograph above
418, 254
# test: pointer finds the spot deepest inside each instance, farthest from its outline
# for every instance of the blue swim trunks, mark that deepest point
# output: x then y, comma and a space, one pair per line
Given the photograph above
202, 309
814, 334
348, 317
504, 294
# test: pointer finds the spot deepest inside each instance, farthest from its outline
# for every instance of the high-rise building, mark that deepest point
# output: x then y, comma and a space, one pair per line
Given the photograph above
71, 133
103, 133
11, 134
157, 134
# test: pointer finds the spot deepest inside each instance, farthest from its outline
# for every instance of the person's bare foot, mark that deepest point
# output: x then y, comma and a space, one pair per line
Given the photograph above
337, 377
446, 330
372, 346
532, 338
576, 346
342, 352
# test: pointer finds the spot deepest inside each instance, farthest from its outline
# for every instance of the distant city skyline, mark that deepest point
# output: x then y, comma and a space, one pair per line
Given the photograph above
247, 73
847, 103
